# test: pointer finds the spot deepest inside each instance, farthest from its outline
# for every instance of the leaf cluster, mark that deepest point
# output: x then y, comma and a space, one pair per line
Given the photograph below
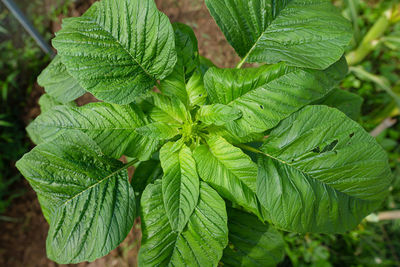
224, 157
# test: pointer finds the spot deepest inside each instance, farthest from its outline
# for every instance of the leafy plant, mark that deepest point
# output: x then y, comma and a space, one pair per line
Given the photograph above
223, 157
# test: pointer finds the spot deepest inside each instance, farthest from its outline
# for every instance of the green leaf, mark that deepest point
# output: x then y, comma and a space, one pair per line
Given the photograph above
309, 34
188, 59
85, 196
158, 130
118, 49
200, 244
180, 185
251, 242
46, 102
195, 88
111, 126
169, 110
58, 83
321, 172
217, 114
229, 171
178, 145
187, 48
205, 64
268, 94
145, 173
232, 138
6, 124
348, 103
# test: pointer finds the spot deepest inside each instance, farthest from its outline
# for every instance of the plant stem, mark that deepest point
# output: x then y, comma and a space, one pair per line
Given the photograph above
371, 40
8, 219
353, 6
241, 62
249, 148
130, 163
386, 124
389, 215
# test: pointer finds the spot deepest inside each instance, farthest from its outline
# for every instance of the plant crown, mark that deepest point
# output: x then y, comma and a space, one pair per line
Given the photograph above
224, 158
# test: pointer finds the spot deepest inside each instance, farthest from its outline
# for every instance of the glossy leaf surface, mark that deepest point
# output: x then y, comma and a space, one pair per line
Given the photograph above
229, 171
251, 242
118, 49
200, 244
85, 196
310, 34
218, 114
58, 83
347, 102
188, 59
180, 185
111, 126
268, 94
321, 172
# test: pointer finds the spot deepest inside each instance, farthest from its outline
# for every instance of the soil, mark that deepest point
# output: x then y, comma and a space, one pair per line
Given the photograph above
22, 241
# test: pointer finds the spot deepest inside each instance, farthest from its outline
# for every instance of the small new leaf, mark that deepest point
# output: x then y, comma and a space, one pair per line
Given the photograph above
188, 59
158, 130
218, 114
200, 244
180, 185
229, 171
169, 110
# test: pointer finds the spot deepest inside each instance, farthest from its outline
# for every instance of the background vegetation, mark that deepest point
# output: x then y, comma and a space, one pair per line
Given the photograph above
374, 76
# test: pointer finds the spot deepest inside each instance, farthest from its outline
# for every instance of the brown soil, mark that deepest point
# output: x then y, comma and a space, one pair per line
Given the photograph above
22, 242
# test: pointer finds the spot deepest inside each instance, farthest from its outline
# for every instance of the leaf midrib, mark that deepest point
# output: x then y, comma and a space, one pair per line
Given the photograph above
92, 20
244, 59
310, 176
89, 129
264, 85
240, 180
98, 182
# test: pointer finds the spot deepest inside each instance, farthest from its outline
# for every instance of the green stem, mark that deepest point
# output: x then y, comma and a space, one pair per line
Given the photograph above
8, 219
371, 40
249, 148
353, 6
241, 62
130, 163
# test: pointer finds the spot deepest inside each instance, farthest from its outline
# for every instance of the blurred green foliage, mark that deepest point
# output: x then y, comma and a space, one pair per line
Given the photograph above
383, 62
21, 62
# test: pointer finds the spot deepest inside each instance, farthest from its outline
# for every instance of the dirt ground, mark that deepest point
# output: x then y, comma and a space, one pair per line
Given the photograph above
22, 242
